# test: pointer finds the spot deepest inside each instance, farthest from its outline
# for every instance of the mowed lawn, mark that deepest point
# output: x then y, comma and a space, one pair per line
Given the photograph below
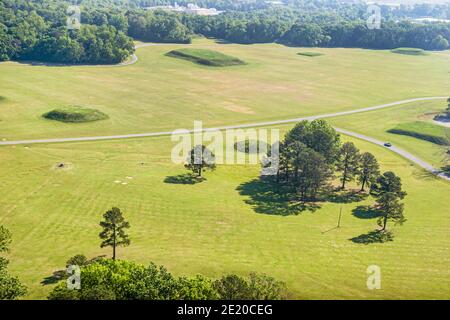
210, 228
377, 123
164, 93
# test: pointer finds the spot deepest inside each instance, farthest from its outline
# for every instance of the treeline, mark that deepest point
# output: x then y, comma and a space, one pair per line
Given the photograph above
37, 31
310, 23
322, 30
104, 279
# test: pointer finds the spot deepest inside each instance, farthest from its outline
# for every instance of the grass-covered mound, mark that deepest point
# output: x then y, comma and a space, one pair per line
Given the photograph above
410, 51
205, 57
310, 54
252, 146
75, 114
424, 131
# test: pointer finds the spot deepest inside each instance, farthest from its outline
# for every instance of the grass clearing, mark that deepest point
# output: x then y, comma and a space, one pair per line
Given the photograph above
75, 114
423, 130
410, 51
161, 94
221, 225
206, 57
217, 226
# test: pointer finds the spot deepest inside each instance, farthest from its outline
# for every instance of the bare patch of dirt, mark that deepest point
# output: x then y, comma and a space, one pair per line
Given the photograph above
239, 109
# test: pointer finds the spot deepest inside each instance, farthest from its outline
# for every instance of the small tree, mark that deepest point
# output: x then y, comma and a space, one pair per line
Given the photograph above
387, 182
199, 159
391, 209
10, 287
348, 162
368, 169
113, 233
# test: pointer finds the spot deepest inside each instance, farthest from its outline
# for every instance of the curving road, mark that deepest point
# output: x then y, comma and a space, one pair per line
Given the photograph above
399, 151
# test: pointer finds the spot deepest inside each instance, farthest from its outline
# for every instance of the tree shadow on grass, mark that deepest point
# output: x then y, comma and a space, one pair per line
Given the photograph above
366, 212
426, 175
446, 170
186, 178
267, 198
376, 236
54, 278
347, 197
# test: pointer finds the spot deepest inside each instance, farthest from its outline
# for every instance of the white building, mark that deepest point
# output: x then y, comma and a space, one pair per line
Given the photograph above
190, 9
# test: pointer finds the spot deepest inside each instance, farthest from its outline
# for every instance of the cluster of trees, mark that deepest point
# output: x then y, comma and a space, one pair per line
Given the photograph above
10, 287
312, 152
106, 279
310, 156
36, 30
111, 279
157, 26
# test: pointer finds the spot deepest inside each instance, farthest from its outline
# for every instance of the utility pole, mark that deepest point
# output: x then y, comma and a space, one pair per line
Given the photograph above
339, 220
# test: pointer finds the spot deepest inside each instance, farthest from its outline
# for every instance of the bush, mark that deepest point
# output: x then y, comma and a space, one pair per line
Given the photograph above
410, 51
310, 54
124, 280
75, 114
205, 57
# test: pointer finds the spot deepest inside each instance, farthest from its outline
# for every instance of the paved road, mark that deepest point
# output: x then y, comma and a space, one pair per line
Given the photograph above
401, 152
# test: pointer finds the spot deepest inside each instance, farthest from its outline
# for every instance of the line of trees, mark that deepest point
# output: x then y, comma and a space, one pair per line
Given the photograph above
104, 279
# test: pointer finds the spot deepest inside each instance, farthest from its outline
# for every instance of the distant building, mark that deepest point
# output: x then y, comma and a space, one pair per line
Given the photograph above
275, 3
431, 20
190, 9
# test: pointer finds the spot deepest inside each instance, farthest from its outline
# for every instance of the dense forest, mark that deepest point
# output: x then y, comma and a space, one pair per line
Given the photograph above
36, 29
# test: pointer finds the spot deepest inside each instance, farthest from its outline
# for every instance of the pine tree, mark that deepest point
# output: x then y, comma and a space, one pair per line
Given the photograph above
113, 233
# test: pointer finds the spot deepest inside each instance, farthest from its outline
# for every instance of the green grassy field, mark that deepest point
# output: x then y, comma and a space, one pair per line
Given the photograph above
162, 93
377, 123
214, 227
228, 223
424, 131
